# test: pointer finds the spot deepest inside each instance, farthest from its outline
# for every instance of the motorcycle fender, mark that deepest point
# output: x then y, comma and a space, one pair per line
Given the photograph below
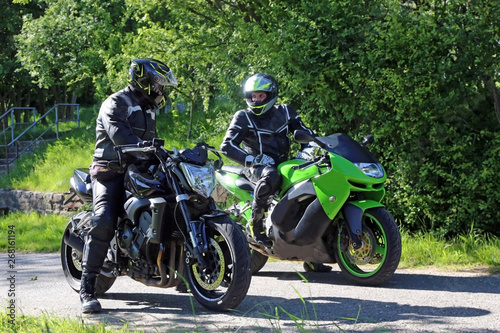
353, 214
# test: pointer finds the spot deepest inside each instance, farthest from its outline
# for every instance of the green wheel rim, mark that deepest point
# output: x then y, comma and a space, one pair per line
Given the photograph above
367, 260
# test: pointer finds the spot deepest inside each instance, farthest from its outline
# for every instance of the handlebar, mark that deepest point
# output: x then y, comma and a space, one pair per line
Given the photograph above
134, 148
308, 164
156, 146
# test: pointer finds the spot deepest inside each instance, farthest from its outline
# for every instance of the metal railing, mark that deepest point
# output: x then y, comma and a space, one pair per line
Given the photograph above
10, 119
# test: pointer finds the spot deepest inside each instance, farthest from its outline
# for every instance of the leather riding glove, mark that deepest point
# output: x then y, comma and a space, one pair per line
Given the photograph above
259, 160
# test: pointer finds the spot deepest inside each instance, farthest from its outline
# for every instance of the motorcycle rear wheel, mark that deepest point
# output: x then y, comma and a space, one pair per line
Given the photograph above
223, 283
378, 258
71, 261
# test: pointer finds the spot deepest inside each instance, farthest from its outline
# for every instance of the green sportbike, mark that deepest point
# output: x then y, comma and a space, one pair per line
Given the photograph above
328, 209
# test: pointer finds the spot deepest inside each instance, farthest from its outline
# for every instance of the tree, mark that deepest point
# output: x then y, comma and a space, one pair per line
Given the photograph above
15, 85
67, 49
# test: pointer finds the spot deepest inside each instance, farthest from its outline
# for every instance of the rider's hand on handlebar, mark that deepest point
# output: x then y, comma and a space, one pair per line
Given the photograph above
144, 144
259, 160
307, 153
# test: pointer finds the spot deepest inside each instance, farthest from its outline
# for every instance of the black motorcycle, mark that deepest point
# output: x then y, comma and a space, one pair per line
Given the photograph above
170, 232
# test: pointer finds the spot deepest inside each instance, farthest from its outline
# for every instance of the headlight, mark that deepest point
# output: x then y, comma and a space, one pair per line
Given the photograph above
373, 170
200, 178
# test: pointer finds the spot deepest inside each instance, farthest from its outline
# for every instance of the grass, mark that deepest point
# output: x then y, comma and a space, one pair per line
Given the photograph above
464, 252
49, 323
34, 232
51, 166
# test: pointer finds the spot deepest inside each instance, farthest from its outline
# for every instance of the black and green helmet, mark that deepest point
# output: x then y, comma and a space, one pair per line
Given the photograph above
150, 76
265, 83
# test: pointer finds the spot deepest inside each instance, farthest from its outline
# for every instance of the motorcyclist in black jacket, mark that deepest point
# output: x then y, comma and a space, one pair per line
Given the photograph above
125, 117
258, 139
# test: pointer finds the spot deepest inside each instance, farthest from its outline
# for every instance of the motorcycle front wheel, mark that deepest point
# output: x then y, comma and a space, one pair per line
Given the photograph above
223, 282
377, 259
71, 261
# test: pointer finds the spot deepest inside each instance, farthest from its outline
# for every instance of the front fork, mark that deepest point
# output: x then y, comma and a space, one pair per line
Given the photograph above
198, 244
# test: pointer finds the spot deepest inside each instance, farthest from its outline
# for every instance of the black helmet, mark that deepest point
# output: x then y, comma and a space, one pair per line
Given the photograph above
265, 83
149, 76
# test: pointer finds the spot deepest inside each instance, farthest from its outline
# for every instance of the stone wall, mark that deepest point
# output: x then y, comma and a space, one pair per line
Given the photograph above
41, 202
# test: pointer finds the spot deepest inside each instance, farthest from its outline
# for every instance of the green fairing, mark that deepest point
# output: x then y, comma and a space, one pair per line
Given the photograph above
229, 181
366, 204
291, 177
337, 183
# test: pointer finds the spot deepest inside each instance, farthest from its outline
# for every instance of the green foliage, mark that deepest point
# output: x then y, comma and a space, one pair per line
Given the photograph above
15, 87
421, 76
436, 122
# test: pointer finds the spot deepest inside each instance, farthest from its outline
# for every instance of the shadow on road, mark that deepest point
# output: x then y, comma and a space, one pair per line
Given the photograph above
279, 299
410, 281
278, 312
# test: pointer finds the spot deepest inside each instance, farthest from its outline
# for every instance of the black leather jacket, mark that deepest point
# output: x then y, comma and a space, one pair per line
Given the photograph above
124, 118
264, 134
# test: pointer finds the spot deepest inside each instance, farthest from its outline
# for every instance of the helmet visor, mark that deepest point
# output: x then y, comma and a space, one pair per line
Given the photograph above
163, 75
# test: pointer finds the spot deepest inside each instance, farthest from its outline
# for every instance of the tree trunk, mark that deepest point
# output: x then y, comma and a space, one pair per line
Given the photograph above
496, 99
191, 112
41, 102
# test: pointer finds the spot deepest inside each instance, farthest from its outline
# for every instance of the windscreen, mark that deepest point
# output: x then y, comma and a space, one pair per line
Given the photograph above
346, 147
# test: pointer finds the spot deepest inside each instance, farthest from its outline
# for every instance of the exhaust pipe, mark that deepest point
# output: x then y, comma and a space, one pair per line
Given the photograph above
71, 239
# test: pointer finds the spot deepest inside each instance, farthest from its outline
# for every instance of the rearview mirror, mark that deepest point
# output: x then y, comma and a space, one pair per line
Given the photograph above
367, 140
303, 136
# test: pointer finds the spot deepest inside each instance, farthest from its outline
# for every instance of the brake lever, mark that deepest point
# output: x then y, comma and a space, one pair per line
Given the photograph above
308, 164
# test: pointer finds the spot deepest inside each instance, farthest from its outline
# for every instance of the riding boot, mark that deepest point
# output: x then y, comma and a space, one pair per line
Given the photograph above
258, 230
316, 267
87, 295
94, 253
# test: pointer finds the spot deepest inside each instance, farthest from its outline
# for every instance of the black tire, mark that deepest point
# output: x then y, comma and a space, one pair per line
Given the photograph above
71, 261
258, 261
377, 260
217, 287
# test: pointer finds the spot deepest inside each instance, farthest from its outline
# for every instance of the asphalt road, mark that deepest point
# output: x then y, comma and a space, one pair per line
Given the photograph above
412, 301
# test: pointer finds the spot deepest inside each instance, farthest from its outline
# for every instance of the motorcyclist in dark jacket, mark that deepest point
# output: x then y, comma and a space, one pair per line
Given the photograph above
258, 139
125, 117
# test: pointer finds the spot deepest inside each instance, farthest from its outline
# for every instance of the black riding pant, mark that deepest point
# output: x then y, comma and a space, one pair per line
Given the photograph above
108, 196
268, 181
